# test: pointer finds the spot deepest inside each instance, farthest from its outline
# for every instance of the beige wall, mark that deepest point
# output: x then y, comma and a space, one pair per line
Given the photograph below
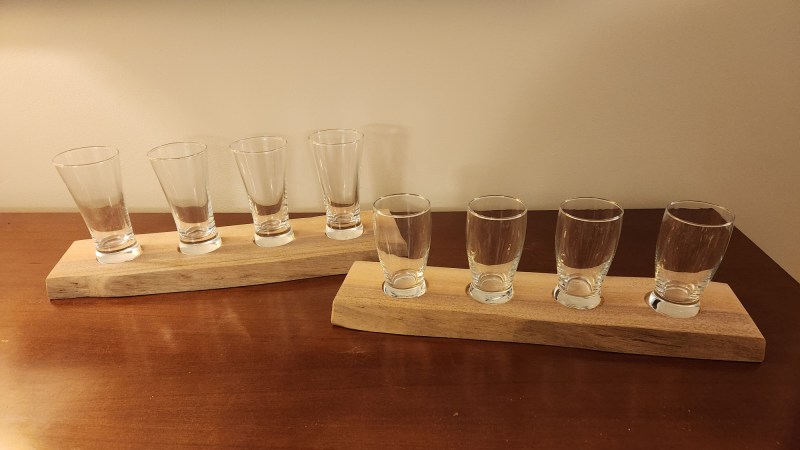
640, 101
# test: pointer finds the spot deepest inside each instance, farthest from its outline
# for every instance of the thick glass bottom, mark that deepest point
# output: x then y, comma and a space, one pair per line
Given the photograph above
274, 241
671, 309
415, 291
119, 256
576, 301
200, 248
490, 298
344, 234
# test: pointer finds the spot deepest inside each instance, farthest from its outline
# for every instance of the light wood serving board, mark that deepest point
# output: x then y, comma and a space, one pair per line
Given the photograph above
239, 262
623, 323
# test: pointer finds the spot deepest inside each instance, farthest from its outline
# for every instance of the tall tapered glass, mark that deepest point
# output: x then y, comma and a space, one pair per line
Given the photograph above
337, 155
262, 164
94, 179
182, 170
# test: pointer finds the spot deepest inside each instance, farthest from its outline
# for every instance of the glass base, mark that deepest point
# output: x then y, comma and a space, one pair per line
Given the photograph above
274, 241
345, 234
411, 292
200, 248
126, 254
575, 301
671, 309
490, 298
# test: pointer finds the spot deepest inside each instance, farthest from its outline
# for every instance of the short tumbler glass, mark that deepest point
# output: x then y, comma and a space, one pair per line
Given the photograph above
691, 243
337, 155
496, 228
182, 170
93, 177
587, 233
262, 165
402, 227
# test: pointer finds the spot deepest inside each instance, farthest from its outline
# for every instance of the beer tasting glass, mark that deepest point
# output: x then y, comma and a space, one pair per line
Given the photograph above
496, 228
691, 243
262, 164
402, 227
182, 170
337, 155
587, 233
94, 179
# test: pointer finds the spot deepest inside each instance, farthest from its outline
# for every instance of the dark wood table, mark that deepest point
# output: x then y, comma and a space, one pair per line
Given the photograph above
262, 365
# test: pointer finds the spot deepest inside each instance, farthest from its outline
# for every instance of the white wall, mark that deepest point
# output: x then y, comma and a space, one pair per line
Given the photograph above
642, 102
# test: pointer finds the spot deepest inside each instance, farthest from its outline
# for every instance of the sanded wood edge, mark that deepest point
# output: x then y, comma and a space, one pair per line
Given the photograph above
366, 309
588, 337
241, 263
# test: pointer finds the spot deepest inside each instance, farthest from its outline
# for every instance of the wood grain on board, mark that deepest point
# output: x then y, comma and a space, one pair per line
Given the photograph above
162, 268
623, 323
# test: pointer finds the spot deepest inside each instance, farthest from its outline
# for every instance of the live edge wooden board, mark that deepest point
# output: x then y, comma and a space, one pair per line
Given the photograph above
239, 262
623, 323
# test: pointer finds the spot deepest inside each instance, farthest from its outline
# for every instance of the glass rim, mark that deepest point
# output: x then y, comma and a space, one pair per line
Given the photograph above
281, 139
727, 215
114, 154
358, 136
582, 219
507, 197
150, 153
402, 194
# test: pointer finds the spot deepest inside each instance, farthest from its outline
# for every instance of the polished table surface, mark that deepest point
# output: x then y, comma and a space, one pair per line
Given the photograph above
262, 366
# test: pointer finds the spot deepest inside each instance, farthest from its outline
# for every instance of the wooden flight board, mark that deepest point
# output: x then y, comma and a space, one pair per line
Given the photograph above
623, 323
238, 262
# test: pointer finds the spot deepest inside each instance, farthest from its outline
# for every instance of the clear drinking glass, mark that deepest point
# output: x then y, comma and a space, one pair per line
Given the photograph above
587, 233
691, 243
93, 177
182, 170
403, 238
496, 228
262, 165
337, 154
